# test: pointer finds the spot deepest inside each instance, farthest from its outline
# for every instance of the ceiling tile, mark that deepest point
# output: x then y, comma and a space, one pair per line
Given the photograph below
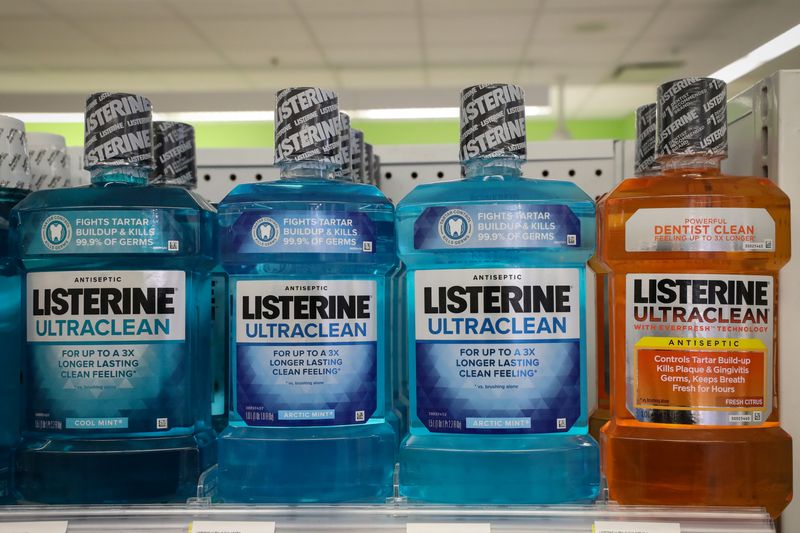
272, 80
50, 34
255, 32
273, 57
355, 8
372, 30
232, 8
589, 26
549, 74
116, 10
482, 29
470, 54
464, 76
167, 33
460, 7
575, 55
374, 56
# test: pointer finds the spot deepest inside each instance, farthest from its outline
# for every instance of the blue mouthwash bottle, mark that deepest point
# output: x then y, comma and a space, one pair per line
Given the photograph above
175, 164
15, 184
497, 350
308, 259
116, 299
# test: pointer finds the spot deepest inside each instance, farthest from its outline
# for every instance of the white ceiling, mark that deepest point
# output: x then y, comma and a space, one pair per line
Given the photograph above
72, 47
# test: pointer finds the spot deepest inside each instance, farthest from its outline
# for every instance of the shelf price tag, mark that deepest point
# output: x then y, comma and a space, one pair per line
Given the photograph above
227, 526
56, 526
635, 527
454, 527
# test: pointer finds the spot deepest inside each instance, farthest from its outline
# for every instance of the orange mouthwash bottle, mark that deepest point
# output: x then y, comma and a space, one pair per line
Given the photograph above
645, 164
693, 258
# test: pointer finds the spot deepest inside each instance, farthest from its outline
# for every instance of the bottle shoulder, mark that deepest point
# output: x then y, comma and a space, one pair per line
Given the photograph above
305, 191
93, 197
493, 191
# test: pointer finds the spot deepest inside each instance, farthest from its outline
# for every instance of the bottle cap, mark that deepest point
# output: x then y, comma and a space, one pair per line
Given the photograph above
645, 155
368, 162
174, 155
357, 154
346, 171
692, 117
118, 130
376, 173
50, 168
14, 162
492, 122
307, 126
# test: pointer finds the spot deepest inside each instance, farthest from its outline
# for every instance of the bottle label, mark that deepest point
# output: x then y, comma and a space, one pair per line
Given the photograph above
107, 231
699, 348
498, 350
700, 229
496, 226
306, 351
107, 351
300, 231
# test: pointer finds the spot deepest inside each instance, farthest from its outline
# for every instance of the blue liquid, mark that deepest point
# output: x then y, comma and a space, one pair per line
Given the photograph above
219, 349
11, 333
523, 468
335, 463
65, 465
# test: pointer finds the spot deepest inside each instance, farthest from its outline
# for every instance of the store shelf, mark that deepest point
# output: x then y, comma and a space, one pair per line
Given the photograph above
389, 518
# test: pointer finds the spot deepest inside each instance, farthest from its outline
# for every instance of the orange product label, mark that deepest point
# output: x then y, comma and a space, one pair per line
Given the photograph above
700, 373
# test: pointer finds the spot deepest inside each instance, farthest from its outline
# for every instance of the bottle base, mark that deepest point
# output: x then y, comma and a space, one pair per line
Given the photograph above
460, 469
748, 467
113, 471
307, 464
597, 420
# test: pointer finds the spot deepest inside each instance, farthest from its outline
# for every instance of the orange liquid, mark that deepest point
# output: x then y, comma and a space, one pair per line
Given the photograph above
679, 464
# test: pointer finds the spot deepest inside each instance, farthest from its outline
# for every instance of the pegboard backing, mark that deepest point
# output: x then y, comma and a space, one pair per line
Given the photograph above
594, 165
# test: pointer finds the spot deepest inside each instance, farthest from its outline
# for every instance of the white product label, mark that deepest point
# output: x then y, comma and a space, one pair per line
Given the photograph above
497, 304
115, 305
454, 527
300, 312
701, 229
59, 526
699, 348
212, 526
635, 527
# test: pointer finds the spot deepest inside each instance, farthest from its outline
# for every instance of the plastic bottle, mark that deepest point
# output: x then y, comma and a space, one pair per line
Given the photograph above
307, 420
175, 165
496, 314
644, 164
15, 184
693, 257
116, 288
50, 168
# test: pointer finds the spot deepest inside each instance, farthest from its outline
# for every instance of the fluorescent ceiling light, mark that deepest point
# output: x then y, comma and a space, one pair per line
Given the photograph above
267, 116
761, 55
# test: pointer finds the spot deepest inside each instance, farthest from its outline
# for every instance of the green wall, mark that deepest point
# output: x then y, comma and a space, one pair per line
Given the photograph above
259, 134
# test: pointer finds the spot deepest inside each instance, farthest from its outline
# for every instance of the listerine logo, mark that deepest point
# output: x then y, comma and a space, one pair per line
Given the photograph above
56, 232
266, 232
455, 227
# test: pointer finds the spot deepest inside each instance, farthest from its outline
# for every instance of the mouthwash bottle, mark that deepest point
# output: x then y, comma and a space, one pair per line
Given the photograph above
496, 310
115, 290
175, 165
693, 258
49, 161
15, 184
357, 154
308, 259
645, 164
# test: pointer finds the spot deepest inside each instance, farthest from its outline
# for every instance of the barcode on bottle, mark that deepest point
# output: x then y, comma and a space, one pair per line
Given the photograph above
259, 416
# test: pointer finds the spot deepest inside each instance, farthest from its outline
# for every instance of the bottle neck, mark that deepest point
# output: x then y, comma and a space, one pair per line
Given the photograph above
120, 175
307, 170
691, 164
493, 167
